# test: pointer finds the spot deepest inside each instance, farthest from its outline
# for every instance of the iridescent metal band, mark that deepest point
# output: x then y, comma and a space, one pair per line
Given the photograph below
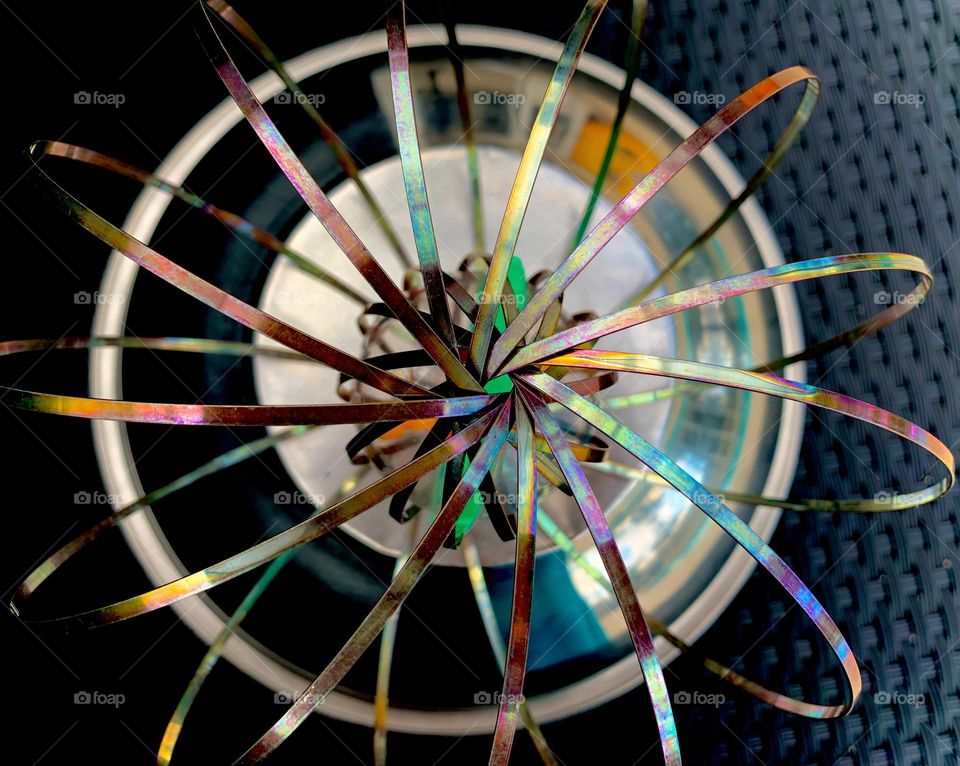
458, 427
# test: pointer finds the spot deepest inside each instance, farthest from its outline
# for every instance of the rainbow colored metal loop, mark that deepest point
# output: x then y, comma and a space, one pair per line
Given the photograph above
453, 320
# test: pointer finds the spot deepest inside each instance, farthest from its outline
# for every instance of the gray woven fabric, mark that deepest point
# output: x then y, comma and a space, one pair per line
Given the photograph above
874, 171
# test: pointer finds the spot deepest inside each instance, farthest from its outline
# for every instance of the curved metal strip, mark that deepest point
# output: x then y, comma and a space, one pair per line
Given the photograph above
730, 287
42, 572
399, 589
635, 200
765, 383
723, 516
213, 296
515, 667
216, 647
631, 63
412, 166
261, 553
335, 224
616, 569
526, 176
340, 149
235, 223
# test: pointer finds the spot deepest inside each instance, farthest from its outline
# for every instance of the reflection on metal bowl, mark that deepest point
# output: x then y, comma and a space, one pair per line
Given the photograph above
684, 569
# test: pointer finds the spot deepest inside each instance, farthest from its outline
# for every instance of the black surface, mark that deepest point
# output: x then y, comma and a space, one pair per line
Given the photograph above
866, 176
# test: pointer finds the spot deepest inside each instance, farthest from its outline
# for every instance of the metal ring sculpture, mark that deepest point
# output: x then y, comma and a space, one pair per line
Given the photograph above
504, 362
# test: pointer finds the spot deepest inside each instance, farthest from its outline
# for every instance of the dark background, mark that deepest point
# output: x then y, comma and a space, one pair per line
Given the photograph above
866, 176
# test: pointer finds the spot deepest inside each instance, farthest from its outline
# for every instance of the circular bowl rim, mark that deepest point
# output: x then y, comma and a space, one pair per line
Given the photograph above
160, 562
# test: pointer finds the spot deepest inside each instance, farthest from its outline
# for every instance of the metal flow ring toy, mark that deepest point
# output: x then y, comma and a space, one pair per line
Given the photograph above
492, 383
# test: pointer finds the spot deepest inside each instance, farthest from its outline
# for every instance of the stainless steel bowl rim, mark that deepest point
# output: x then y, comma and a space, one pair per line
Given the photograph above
160, 562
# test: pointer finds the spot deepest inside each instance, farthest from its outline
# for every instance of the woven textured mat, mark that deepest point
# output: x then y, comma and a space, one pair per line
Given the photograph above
874, 171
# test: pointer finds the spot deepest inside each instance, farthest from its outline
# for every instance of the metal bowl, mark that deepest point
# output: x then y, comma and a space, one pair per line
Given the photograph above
684, 569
